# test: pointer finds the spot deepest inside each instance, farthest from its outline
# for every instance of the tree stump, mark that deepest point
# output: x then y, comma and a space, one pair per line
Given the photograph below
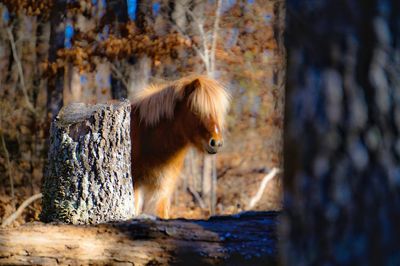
88, 177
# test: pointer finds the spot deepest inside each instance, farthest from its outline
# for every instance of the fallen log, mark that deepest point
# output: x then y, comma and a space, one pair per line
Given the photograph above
243, 239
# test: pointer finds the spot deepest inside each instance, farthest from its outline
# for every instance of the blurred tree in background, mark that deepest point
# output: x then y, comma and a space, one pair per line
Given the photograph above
54, 52
342, 175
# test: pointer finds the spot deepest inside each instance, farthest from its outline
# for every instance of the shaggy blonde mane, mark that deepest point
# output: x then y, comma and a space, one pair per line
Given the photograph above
208, 99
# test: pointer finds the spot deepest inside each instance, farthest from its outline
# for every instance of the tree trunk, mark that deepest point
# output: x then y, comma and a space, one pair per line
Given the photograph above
119, 11
246, 239
143, 14
88, 177
342, 133
178, 12
55, 82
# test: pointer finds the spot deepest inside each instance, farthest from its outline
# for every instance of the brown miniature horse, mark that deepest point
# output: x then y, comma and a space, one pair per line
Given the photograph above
166, 120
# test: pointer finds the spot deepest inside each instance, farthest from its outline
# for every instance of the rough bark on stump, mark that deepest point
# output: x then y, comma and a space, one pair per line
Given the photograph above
88, 177
245, 239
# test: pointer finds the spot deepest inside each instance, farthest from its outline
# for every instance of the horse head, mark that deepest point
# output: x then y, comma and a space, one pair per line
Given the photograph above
203, 109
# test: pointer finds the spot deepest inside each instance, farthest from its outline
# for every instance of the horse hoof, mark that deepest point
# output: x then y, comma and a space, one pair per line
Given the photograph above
145, 216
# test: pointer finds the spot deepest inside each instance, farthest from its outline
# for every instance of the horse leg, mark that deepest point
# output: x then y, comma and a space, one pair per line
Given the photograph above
138, 193
156, 201
162, 208
156, 198
164, 200
148, 198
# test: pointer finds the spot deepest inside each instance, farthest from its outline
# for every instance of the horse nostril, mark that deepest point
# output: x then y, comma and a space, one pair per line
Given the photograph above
216, 143
212, 142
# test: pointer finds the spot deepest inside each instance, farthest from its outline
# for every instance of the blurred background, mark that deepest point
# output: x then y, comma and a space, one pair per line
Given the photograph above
55, 52
342, 127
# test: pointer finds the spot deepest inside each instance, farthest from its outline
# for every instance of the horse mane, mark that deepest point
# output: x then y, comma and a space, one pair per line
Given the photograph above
208, 98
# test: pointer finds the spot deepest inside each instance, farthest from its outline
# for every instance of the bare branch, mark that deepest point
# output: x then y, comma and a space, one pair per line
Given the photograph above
118, 74
197, 197
256, 198
205, 46
195, 47
213, 198
215, 36
21, 208
8, 163
203, 35
20, 71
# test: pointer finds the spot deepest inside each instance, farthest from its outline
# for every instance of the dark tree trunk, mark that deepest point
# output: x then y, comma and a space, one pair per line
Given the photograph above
118, 11
55, 82
143, 14
88, 177
246, 239
342, 177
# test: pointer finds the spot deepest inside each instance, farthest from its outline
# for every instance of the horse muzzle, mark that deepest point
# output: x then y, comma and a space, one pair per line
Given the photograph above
214, 145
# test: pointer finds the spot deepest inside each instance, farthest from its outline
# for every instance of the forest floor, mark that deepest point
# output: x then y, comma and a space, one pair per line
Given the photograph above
248, 156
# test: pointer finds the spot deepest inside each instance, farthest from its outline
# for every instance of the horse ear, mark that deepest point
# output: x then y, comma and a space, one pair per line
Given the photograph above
192, 86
